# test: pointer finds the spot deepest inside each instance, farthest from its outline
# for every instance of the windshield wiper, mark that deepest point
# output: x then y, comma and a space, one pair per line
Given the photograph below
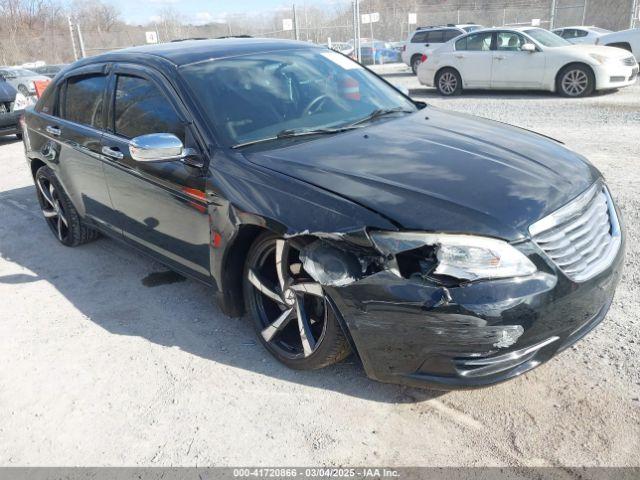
296, 132
380, 112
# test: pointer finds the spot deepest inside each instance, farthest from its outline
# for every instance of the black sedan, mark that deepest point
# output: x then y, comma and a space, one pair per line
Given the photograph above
336, 212
12, 104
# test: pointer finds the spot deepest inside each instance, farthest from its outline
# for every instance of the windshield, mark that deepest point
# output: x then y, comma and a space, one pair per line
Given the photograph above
546, 38
253, 97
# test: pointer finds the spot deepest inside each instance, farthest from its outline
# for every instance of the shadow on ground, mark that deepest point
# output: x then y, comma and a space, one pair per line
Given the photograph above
127, 294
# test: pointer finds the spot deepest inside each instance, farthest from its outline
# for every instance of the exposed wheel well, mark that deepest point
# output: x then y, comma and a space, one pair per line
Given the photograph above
230, 294
623, 45
35, 166
573, 64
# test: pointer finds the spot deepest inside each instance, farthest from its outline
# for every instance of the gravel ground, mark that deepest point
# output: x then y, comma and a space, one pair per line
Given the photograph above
99, 367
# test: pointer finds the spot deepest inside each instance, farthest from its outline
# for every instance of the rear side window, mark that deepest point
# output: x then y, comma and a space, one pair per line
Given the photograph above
435, 36
450, 34
420, 37
141, 109
46, 103
475, 42
83, 100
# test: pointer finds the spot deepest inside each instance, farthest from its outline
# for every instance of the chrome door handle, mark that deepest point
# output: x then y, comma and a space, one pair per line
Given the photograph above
459, 56
113, 153
55, 131
499, 57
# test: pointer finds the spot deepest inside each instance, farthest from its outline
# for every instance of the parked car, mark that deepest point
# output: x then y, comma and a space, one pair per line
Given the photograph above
12, 105
426, 39
581, 35
627, 39
49, 70
21, 79
342, 47
526, 58
378, 53
333, 210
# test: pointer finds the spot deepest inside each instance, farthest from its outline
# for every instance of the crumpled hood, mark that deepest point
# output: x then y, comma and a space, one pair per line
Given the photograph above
441, 171
7, 92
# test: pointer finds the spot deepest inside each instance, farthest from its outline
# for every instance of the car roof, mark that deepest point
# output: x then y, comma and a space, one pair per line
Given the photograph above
193, 51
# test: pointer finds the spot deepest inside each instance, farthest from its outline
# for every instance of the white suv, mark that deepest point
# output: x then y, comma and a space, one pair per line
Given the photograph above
426, 39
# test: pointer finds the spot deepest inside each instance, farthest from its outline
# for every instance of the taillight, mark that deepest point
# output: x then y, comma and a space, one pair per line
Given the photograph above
423, 58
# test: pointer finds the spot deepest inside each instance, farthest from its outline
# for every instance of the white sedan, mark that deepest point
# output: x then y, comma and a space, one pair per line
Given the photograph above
526, 58
581, 35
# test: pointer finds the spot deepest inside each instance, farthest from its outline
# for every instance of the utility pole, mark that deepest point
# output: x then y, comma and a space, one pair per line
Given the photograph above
584, 12
634, 13
552, 20
296, 31
80, 41
73, 39
356, 28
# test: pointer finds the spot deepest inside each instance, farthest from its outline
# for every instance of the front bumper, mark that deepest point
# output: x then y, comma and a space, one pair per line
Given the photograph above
420, 334
10, 123
615, 76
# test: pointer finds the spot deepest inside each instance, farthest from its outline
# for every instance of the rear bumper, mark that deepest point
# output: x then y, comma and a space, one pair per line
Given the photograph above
10, 123
414, 333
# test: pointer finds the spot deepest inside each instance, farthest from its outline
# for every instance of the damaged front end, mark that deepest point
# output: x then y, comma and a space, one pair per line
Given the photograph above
448, 310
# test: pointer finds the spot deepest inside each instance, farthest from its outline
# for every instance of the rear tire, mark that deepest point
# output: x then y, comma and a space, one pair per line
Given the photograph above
19, 136
60, 214
416, 60
448, 82
576, 81
328, 342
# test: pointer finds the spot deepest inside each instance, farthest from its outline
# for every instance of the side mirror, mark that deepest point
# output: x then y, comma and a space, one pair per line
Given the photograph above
529, 47
401, 88
158, 147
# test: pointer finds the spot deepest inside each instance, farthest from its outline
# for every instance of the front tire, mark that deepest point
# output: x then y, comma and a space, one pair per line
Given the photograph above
576, 81
294, 318
448, 82
58, 211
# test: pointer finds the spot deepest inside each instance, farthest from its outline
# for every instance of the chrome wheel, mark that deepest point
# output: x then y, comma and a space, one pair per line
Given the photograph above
291, 307
575, 82
447, 83
52, 208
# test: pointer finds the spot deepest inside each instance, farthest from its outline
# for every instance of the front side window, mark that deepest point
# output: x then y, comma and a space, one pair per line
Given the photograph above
141, 109
252, 97
83, 100
510, 42
480, 42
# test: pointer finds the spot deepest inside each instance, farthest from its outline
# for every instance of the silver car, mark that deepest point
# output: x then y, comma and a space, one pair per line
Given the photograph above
21, 79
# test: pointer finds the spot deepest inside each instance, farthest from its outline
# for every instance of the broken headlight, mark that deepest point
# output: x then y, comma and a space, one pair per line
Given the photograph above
465, 257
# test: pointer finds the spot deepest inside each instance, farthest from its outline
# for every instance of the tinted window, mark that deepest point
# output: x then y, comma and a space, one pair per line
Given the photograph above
475, 42
569, 33
509, 41
141, 108
581, 33
420, 37
435, 36
450, 34
83, 100
46, 104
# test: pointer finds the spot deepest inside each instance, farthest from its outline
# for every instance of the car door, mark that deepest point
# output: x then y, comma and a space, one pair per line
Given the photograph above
473, 58
69, 132
514, 68
160, 207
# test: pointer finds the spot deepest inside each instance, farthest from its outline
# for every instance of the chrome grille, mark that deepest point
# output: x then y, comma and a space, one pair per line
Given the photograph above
629, 61
583, 237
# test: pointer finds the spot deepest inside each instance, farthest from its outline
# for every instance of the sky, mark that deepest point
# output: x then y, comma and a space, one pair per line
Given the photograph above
196, 11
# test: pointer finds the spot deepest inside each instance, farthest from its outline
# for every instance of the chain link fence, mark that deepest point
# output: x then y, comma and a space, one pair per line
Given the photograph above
50, 41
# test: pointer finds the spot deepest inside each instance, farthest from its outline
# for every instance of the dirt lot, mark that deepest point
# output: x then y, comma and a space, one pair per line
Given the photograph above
100, 367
